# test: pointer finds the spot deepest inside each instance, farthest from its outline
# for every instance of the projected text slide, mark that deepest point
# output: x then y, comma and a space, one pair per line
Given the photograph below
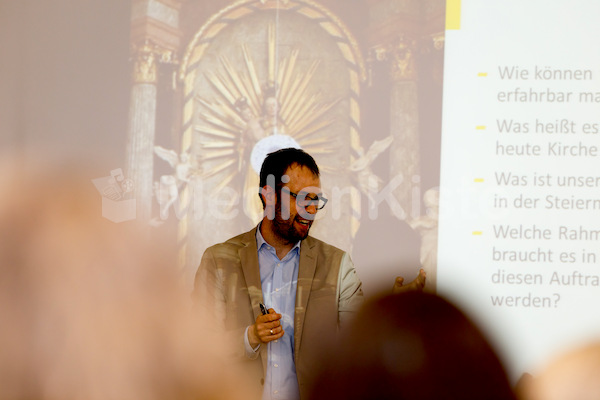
520, 173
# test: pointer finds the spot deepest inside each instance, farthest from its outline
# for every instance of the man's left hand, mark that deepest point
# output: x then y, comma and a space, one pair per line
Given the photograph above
417, 284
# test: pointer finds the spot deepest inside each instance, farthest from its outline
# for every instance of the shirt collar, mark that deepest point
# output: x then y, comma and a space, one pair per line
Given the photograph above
260, 240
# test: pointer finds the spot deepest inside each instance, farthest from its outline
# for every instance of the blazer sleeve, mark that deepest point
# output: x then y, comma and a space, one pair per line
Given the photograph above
350, 295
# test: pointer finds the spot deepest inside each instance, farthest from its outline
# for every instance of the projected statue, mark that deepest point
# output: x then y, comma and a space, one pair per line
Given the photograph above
427, 226
367, 181
166, 190
271, 121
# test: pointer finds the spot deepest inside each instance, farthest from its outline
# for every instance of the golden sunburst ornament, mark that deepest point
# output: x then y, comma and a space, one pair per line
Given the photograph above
272, 70
284, 110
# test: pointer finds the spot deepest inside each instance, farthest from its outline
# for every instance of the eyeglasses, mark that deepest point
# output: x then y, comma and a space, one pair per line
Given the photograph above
306, 201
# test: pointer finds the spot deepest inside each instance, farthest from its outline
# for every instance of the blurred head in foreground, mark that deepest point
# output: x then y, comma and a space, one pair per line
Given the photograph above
573, 376
89, 309
412, 346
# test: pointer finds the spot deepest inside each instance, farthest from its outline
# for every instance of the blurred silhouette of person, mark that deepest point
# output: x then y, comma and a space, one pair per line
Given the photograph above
90, 309
411, 346
572, 376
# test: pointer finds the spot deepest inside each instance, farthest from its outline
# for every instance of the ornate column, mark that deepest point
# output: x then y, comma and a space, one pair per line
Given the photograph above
142, 122
404, 124
395, 29
155, 39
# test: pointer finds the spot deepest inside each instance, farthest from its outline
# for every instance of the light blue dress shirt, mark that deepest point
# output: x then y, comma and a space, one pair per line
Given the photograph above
279, 280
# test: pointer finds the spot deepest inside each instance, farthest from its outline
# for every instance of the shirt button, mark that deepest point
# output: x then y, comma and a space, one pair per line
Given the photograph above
275, 392
276, 340
279, 264
276, 365
277, 290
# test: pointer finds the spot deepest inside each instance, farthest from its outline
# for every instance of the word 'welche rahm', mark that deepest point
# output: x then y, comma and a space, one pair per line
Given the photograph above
536, 232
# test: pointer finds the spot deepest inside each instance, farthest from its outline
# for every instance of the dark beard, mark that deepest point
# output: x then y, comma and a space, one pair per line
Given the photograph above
285, 228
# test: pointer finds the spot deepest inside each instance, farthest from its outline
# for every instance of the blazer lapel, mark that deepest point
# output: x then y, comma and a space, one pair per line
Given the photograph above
306, 273
249, 260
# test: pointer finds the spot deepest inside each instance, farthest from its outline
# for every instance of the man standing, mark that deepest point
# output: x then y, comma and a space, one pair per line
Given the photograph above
309, 287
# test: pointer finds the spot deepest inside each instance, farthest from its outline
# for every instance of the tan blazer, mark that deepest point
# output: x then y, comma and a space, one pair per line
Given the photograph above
228, 287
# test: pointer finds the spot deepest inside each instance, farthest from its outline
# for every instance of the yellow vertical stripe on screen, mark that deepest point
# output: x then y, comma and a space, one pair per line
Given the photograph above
452, 14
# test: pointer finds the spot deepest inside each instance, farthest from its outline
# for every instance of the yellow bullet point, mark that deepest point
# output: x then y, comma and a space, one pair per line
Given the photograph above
482, 74
480, 127
477, 233
478, 180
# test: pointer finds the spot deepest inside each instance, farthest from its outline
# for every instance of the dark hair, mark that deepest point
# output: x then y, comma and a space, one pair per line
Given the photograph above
279, 161
412, 346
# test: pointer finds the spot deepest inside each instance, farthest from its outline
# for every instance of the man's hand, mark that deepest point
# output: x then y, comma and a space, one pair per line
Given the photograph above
417, 284
266, 328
